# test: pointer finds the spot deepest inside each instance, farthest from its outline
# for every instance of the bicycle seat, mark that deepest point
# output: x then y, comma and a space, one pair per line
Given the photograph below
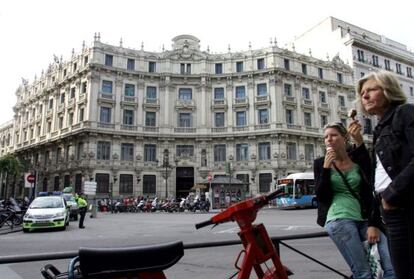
149, 258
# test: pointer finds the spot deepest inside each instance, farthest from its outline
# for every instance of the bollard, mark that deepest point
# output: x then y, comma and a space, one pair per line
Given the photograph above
93, 209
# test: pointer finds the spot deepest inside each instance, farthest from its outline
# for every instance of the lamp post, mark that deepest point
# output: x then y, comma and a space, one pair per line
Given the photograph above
111, 192
166, 167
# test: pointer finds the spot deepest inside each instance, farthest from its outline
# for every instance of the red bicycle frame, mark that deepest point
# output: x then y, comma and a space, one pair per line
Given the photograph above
258, 247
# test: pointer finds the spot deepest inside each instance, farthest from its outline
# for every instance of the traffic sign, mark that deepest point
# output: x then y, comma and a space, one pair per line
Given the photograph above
31, 178
89, 188
209, 177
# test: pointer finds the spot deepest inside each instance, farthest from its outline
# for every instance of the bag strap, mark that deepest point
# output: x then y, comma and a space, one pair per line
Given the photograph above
347, 184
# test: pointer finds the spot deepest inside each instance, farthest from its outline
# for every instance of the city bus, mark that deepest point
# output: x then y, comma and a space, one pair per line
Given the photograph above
299, 189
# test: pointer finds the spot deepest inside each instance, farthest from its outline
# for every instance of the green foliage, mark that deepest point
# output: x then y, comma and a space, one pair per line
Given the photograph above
10, 165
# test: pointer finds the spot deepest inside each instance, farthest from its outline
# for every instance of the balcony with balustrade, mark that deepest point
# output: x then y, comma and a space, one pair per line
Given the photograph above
323, 107
263, 100
219, 129
241, 102
129, 100
106, 98
185, 104
219, 104
307, 103
189, 130
151, 103
289, 100
127, 127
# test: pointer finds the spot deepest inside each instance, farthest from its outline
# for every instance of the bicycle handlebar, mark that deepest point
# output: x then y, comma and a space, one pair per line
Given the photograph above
274, 194
203, 224
251, 205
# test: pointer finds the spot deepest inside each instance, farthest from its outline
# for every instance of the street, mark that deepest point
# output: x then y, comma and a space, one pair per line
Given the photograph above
132, 229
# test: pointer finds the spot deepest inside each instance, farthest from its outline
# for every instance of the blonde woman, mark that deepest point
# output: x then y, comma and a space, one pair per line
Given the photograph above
380, 94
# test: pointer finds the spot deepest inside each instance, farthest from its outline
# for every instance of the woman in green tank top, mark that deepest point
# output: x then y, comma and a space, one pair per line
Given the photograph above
346, 205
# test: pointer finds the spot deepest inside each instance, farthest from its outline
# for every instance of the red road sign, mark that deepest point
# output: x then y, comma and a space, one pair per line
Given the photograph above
209, 178
31, 178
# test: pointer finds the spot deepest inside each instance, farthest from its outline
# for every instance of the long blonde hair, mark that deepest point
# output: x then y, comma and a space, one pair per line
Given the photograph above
390, 87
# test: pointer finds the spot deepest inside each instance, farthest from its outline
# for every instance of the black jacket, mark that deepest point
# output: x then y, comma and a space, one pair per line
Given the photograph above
324, 192
394, 145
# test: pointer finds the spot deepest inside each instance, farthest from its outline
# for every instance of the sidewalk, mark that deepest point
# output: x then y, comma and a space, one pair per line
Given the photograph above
8, 273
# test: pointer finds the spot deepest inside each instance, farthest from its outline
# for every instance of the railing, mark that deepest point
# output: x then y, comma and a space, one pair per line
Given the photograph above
324, 105
307, 102
71, 254
61, 107
151, 101
312, 129
184, 130
219, 102
219, 130
241, 128
294, 127
106, 125
241, 101
262, 98
82, 97
262, 126
289, 99
277, 241
150, 129
184, 103
129, 99
107, 96
128, 127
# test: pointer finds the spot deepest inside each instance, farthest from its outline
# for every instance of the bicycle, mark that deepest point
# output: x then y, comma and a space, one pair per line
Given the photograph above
258, 247
147, 262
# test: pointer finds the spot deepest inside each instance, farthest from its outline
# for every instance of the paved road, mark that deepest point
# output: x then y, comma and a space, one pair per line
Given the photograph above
126, 229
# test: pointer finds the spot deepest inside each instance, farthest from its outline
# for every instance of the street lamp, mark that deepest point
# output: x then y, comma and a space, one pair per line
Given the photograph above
111, 192
167, 167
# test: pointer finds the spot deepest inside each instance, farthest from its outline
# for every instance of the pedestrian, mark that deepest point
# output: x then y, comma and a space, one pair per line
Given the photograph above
346, 207
380, 94
82, 205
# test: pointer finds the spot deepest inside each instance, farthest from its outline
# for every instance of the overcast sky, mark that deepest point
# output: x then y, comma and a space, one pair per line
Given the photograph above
32, 31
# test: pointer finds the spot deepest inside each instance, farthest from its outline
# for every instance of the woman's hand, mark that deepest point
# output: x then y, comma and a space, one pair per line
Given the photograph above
329, 157
373, 235
354, 130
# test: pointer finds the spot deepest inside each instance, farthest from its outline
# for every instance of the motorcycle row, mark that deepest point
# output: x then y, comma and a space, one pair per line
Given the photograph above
152, 205
12, 211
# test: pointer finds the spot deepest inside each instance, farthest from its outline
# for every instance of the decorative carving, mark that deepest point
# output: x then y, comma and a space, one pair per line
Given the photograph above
115, 156
138, 157
91, 154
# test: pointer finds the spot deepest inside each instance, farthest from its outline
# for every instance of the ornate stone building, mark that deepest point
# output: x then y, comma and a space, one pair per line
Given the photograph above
156, 123
364, 50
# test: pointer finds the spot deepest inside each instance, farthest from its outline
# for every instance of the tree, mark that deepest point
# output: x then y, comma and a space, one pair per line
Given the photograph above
10, 168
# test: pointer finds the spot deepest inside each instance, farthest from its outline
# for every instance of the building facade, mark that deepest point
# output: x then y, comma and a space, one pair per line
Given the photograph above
363, 50
156, 123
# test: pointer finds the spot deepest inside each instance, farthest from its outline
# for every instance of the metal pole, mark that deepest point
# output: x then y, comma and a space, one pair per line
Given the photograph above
110, 197
166, 180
